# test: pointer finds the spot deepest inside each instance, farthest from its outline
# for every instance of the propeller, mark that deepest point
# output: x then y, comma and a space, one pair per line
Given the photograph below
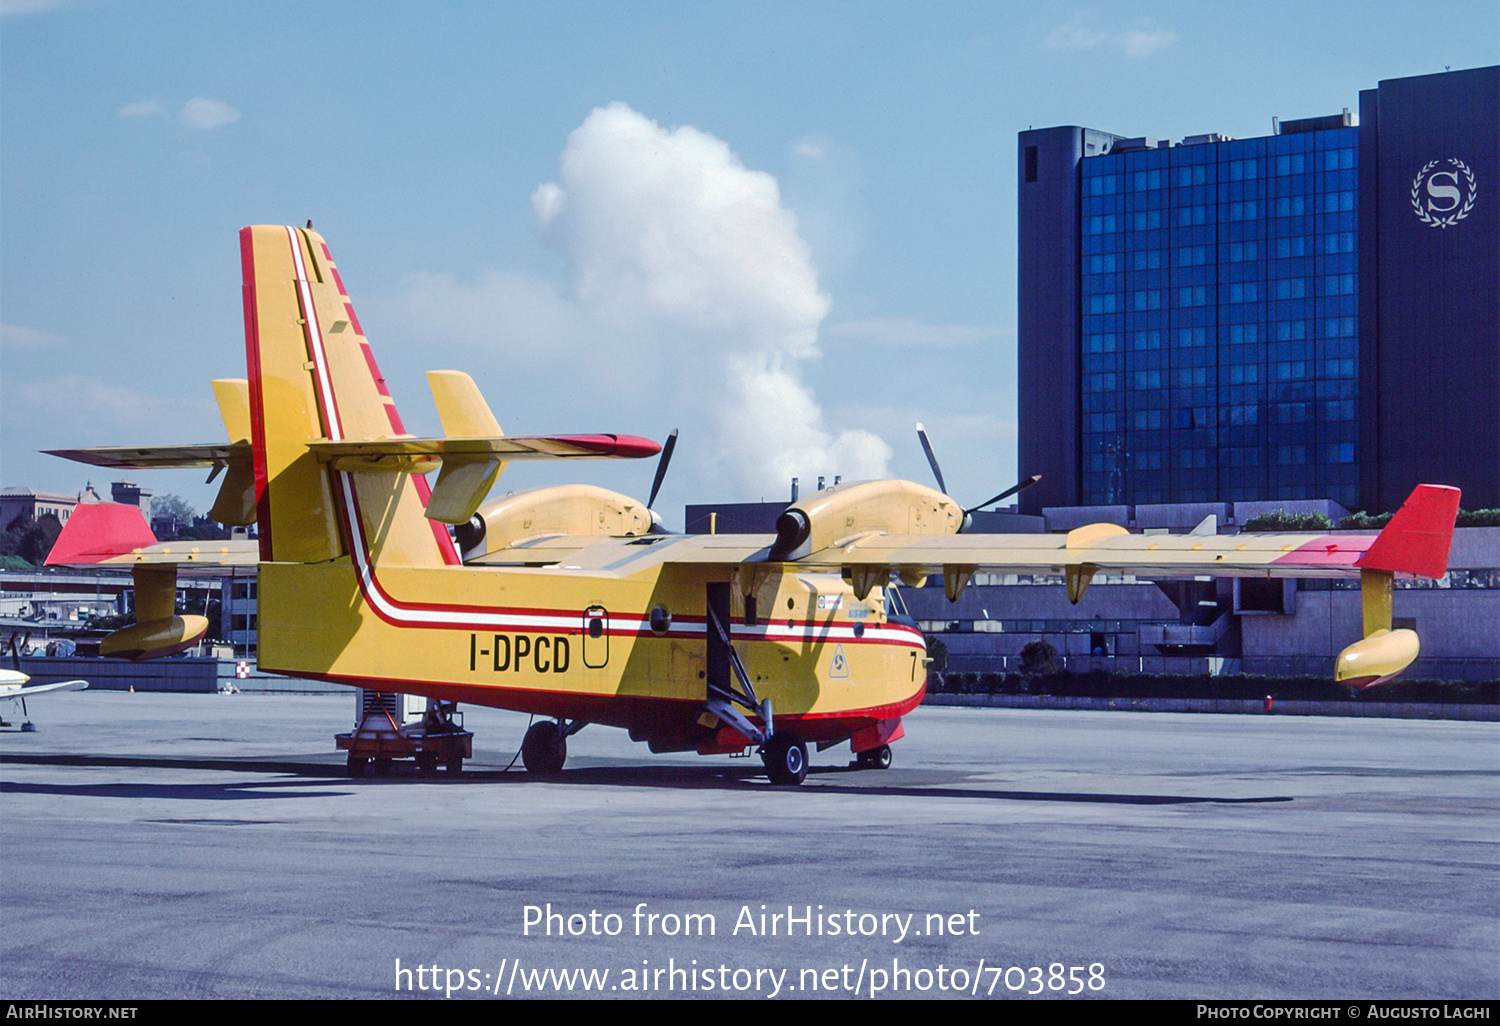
937, 472
661, 473
1013, 489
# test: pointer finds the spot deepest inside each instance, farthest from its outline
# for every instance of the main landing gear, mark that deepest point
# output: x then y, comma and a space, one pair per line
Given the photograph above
545, 747
874, 758
785, 757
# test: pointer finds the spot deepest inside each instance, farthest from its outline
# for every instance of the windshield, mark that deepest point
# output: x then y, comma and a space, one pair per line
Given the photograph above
895, 605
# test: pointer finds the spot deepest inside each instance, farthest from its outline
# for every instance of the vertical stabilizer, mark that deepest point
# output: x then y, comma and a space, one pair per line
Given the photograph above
312, 377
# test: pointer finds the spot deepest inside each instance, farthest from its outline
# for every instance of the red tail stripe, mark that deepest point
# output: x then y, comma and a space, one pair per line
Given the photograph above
257, 396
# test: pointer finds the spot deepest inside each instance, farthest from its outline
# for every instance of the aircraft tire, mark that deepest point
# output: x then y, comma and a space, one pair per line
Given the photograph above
785, 757
544, 749
880, 758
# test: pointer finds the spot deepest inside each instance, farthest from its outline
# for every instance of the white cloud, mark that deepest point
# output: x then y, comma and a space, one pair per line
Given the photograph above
205, 115
690, 289
142, 109
1139, 41
13, 336
673, 243
808, 149
905, 333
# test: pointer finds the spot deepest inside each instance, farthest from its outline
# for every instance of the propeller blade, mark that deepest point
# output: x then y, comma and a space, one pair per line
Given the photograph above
1013, 489
937, 471
661, 467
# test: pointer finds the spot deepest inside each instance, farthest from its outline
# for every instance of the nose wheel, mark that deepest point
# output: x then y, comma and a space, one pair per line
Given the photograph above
874, 758
785, 757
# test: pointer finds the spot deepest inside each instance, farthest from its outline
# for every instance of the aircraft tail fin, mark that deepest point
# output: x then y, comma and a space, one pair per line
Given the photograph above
313, 377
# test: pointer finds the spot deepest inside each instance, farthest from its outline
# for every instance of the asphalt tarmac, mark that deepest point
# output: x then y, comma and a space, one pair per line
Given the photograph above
209, 846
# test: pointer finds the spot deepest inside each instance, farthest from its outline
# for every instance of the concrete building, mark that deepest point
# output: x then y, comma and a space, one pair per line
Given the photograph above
128, 493
28, 503
1313, 314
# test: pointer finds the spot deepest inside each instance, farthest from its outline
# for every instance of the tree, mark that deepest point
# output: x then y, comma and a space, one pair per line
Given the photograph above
30, 540
203, 529
937, 652
1038, 657
173, 505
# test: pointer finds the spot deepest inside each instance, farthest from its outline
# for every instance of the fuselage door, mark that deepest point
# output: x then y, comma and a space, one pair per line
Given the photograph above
595, 637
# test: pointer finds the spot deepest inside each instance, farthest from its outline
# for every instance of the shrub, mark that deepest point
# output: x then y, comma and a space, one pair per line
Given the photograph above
1363, 521
1478, 518
1282, 520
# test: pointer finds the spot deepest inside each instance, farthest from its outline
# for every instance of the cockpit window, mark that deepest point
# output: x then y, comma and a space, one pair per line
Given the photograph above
895, 605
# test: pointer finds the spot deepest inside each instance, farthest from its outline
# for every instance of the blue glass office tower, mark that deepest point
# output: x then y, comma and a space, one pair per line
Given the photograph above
1220, 320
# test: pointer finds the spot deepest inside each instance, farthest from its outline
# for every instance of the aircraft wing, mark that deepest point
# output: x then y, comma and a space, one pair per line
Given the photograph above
374, 453
1414, 543
41, 689
1244, 555
156, 457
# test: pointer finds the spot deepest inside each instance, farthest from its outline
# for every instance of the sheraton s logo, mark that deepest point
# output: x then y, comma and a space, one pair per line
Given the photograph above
1443, 192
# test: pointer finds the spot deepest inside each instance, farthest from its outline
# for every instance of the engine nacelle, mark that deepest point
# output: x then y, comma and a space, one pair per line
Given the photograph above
894, 507
559, 509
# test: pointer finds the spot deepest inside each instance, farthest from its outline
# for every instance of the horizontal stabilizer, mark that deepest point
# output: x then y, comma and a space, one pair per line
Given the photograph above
419, 455
157, 457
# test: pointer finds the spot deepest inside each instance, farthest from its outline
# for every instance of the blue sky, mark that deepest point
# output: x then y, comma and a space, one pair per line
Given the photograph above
787, 228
